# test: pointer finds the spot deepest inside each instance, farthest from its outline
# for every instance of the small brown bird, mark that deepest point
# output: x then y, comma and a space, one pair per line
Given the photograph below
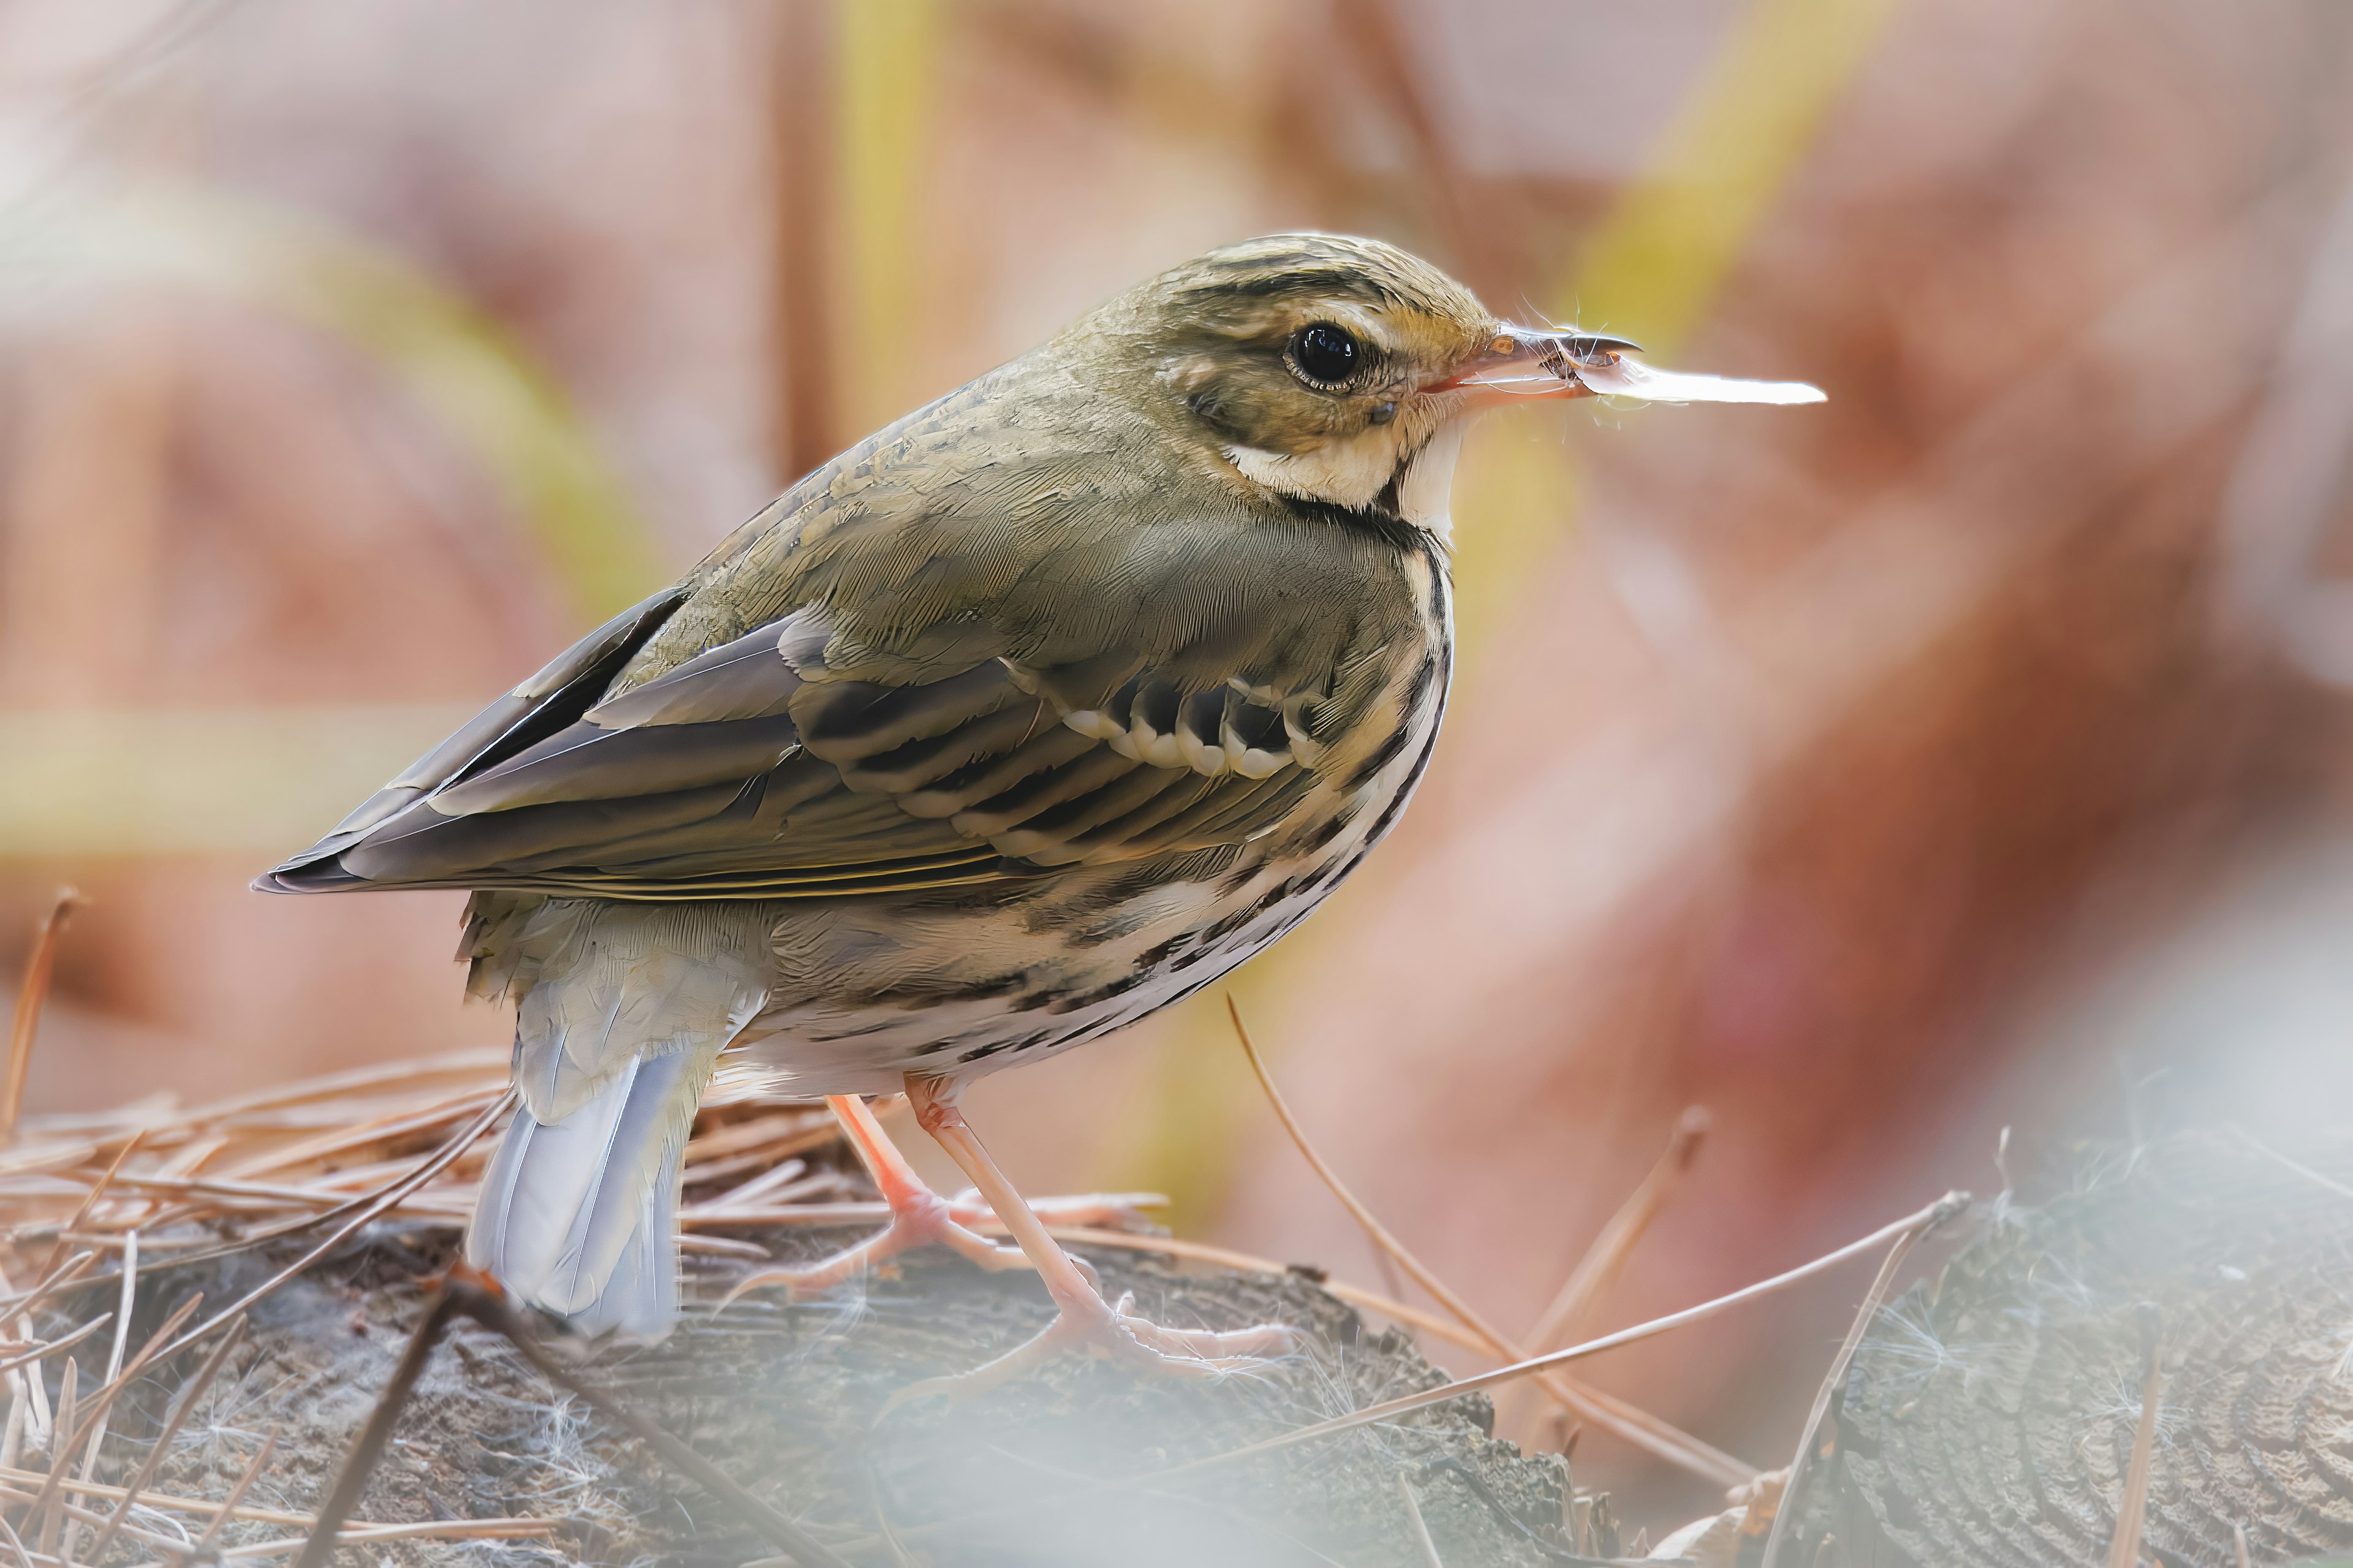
1026, 717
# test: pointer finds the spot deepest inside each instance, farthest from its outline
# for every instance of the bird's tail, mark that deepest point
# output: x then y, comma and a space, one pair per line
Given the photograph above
577, 1216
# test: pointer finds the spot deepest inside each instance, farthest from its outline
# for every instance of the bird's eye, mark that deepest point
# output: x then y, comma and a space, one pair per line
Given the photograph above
1324, 353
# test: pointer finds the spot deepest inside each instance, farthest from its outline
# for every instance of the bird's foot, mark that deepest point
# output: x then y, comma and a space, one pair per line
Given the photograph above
919, 1217
1085, 1322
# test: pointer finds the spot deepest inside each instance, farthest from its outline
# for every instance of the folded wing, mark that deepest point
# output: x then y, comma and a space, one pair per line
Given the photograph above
754, 770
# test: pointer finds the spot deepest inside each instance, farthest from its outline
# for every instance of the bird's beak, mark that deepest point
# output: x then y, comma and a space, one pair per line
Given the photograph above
1527, 361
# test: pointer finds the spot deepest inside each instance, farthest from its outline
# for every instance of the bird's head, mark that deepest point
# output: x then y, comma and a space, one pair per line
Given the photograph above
1342, 371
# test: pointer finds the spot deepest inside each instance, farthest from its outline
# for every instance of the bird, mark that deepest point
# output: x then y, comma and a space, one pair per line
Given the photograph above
1027, 716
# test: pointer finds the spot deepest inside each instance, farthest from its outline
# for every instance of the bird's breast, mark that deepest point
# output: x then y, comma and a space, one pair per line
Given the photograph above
960, 984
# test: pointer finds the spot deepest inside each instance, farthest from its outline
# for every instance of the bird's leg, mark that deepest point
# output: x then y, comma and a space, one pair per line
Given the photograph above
919, 1217
1083, 1318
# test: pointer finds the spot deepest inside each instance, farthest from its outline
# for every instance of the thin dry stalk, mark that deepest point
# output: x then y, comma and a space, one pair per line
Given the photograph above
776, 1134
2306, 1171
205, 1543
1671, 1444
513, 1527
2238, 1545
35, 1392
77, 1515
367, 1206
424, 1530
1605, 1260
66, 1274
1245, 1263
50, 1519
16, 1546
1935, 1214
2132, 1509
369, 1448
1420, 1526
42, 1353
38, 969
1596, 1273
494, 1066
386, 1201
1873, 1299
93, 1420
162, 1444
203, 1506
345, 1140
96, 1420
88, 1203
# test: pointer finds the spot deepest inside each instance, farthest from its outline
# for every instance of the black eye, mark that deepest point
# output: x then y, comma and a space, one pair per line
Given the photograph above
1323, 352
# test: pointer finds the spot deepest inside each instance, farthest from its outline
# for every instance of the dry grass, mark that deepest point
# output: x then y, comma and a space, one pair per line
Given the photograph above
92, 1206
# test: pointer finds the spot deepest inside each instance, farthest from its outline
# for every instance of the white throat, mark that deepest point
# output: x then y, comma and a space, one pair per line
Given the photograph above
1353, 473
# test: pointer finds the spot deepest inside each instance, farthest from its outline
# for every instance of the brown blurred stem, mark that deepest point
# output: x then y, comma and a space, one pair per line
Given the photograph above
39, 968
803, 300
1596, 1273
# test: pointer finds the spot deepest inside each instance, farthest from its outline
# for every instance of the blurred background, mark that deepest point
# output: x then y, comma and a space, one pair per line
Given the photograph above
1971, 752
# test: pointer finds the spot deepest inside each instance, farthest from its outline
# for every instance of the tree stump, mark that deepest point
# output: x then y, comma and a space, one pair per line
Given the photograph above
789, 1400
1988, 1419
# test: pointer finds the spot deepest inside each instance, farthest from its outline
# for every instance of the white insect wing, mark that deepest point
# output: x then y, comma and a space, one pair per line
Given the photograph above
1627, 378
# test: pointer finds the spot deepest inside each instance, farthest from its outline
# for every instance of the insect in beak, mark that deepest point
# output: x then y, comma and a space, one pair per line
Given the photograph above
1527, 362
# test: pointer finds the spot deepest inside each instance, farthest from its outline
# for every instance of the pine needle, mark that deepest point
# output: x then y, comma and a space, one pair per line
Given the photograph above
1648, 1432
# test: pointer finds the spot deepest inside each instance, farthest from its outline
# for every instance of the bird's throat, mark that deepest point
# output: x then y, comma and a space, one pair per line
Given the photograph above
1411, 480
1424, 482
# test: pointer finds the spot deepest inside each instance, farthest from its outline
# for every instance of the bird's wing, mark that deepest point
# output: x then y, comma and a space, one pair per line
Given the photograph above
756, 769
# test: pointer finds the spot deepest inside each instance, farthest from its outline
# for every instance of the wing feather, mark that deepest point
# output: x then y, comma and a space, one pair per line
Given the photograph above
1186, 700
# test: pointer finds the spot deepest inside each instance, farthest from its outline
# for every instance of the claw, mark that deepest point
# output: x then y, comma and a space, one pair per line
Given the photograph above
1116, 1330
917, 1220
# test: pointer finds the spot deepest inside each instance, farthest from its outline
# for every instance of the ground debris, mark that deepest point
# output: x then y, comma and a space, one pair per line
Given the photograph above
787, 1398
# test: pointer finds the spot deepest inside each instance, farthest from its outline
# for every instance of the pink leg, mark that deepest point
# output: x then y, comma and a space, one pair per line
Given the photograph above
1083, 1318
919, 1217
